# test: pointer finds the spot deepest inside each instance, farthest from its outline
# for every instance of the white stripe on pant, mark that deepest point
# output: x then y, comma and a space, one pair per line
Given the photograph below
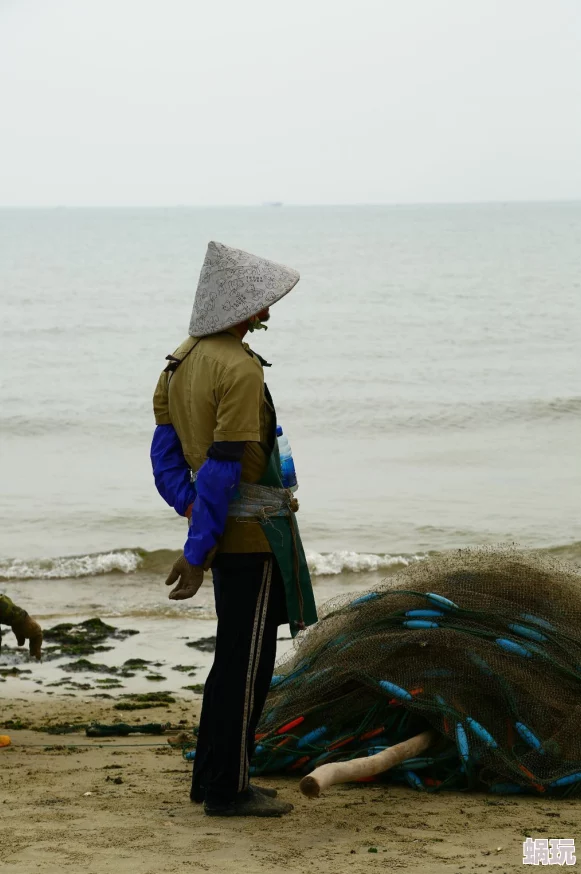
253, 662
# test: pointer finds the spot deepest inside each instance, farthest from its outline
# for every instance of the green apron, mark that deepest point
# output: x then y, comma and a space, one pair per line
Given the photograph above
282, 533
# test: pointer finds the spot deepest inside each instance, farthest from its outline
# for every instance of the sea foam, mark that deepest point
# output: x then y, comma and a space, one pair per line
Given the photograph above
331, 563
159, 561
70, 567
128, 561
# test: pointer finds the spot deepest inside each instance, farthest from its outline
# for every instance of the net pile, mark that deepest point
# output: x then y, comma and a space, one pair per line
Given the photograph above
483, 646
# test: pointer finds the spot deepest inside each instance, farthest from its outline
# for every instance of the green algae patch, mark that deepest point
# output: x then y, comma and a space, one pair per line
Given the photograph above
144, 701
16, 724
62, 728
136, 665
84, 638
204, 644
86, 665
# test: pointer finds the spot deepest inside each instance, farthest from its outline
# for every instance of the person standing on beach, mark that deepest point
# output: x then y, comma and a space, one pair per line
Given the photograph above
215, 459
24, 627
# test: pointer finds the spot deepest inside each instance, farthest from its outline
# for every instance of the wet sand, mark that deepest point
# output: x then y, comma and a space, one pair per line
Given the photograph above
138, 819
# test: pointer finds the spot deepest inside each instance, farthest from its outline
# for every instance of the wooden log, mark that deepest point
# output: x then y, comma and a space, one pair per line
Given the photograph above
367, 766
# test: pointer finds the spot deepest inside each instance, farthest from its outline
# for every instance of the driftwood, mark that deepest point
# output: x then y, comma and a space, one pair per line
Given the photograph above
356, 769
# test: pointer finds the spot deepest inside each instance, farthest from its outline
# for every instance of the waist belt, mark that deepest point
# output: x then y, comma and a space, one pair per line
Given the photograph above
262, 502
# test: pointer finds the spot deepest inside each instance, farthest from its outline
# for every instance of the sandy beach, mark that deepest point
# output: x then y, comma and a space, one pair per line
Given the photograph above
138, 819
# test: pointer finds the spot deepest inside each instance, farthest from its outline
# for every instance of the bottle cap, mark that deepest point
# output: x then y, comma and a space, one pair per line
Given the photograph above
278, 431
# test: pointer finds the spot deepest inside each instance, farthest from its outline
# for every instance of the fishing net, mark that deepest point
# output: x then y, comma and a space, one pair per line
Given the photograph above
483, 646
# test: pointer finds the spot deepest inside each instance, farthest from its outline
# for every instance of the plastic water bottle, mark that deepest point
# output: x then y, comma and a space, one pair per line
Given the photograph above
289, 476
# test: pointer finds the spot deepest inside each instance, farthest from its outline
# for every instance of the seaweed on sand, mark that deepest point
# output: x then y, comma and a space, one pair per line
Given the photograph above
144, 701
85, 638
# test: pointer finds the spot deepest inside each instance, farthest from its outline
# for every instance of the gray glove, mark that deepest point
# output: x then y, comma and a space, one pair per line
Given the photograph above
25, 628
189, 578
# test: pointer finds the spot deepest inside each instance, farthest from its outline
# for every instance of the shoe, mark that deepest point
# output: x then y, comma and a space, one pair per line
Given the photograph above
198, 795
249, 803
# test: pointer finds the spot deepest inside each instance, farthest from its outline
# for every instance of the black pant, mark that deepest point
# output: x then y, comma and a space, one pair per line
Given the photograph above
250, 604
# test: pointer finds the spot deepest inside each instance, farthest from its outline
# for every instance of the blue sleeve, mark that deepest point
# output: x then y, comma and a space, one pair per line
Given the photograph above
216, 485
170, 469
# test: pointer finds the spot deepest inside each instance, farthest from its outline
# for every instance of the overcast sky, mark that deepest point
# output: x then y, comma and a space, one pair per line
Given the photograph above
165, 102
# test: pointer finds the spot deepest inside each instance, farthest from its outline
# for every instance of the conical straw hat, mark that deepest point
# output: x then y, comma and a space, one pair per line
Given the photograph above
234, 286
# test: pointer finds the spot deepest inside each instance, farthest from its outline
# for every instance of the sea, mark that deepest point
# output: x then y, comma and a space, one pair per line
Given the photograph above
425, 370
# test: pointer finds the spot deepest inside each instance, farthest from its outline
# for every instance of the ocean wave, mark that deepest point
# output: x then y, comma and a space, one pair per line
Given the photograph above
132, 560
425, 417
71, 567
128, 561
508, 412
323, 564
431, 417
569, 552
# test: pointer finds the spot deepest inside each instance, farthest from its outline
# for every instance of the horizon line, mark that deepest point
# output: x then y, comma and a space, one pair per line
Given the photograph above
272, 205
